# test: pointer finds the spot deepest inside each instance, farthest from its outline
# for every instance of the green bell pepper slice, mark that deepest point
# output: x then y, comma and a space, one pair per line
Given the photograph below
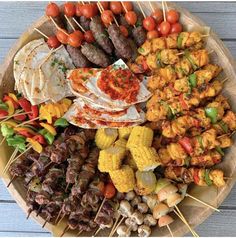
179, 41
223, 126
7, 131
3, 105
220, 151
207, 178
61, 122
212, 113
199, 139
47, 135
192, 80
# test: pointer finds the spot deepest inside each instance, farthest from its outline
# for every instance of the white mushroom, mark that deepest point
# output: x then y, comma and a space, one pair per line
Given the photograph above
137, 217
144, 231
130, 195
149, 220
160, 210
123, 231
142, 207
125, 208
151, 201
135, 201
131, 224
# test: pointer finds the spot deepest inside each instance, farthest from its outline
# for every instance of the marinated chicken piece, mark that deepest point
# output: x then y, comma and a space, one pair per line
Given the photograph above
225, 141
176, 151
230, 120
168, 56
152, 61
182, 85
217, 176
215, 69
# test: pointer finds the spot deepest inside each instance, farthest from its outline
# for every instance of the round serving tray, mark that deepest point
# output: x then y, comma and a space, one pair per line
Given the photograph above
194, 213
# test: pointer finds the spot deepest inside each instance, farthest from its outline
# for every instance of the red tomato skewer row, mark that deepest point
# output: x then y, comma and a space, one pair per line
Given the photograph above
130, 16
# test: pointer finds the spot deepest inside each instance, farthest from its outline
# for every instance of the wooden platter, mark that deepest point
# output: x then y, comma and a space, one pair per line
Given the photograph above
194, 213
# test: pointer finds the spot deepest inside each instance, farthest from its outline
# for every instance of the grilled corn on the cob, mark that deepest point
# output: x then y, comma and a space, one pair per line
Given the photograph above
124, 132
105, 137
123, 179
146, 158
121, 142
110, 159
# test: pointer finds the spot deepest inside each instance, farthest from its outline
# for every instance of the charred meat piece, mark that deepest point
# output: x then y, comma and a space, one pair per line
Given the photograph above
84, 22
100, 35
70, 24
60, 153
79, 60
120, 42
139, 35
42, 198
95, 55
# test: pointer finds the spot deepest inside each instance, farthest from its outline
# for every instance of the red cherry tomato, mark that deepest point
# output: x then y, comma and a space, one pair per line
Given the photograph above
165, 28
35, 112
131, 17
159, 29
116, 7
152, 34
89, 10
62, 36
158, 15
78, 10
53, 42
107, 16
80, 34
75, 40
69, 9
88, 36
128, 6
124, 31
109, 191
176, 28
52, 10
3, 113
172, 16
105, 5
20, 117
25, 104
149, 23
41, 140
8, 98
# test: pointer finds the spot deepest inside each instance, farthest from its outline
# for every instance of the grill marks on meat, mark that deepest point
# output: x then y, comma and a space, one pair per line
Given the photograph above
100, 35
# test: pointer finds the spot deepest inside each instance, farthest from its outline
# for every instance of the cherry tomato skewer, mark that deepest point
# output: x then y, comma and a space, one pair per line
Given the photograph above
130, 16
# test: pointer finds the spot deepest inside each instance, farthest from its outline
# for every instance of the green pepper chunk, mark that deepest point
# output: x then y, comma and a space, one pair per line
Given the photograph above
223, 126
193, 80
179, 41
6, 130
61, 122
220, 151
15, 140
207, 178
21, 147
3, 105
159, 62
47, 135
199, 139
191, 61
212, 113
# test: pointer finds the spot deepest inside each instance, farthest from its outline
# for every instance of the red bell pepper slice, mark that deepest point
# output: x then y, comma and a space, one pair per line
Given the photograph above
40, 139
8, 98
25, 133
185, 142
196, 177
182, 101
25, 104
3, 113
35, 112
20, 117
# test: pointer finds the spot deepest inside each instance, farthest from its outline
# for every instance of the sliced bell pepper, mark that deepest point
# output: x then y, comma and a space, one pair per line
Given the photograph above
47, 135
15, 140
185, 142
10, 123
3, 106
24, 131
40, 139
45, 116
35, 145
220, 151
57, 111
192, 78
223, 126
159, 62
11, 108
49, 128
3, 113
20, 117
7, 98
13, 96
182, 101
7, 131
179, 41
66, 101
207, 178
25, 104
35, 112
196, 177
212, 113
62, 122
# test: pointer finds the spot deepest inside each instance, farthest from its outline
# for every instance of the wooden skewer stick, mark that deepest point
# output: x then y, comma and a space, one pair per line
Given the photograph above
11, 158
67, 186
203, 36
58, 216
59, 28
200, 201
167, 8
61, 219
126, 10
64, 231
168, 227
11, 181
97, 231
79, 233
38, 211
141, 9
20, 112
103, 201
150, 4
122, 219
68, 20
114, 225
40, 32
46, 221
48, 164
28, 215
180, 53
26, 122
163, 9
224, 80
77, 23
4, 138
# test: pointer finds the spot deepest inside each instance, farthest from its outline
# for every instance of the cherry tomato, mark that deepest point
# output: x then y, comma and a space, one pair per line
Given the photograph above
172, 16
116, 7
69, 9
3, 113
176, 28
78, 10
128, 6
75, 40
109, 191
158, 15
105, 5
152, 34
124, 30
159, 28
62, 36
88, 36
149, 23
52, 10
80, 34
53, 42
131, 17
165, 28
89, 10
107, 16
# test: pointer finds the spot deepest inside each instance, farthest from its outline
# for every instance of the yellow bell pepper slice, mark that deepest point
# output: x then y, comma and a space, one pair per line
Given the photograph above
13, 96
66, 101
57, 110
35, 145
11, 108
49, 128
25, 129
10, 123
